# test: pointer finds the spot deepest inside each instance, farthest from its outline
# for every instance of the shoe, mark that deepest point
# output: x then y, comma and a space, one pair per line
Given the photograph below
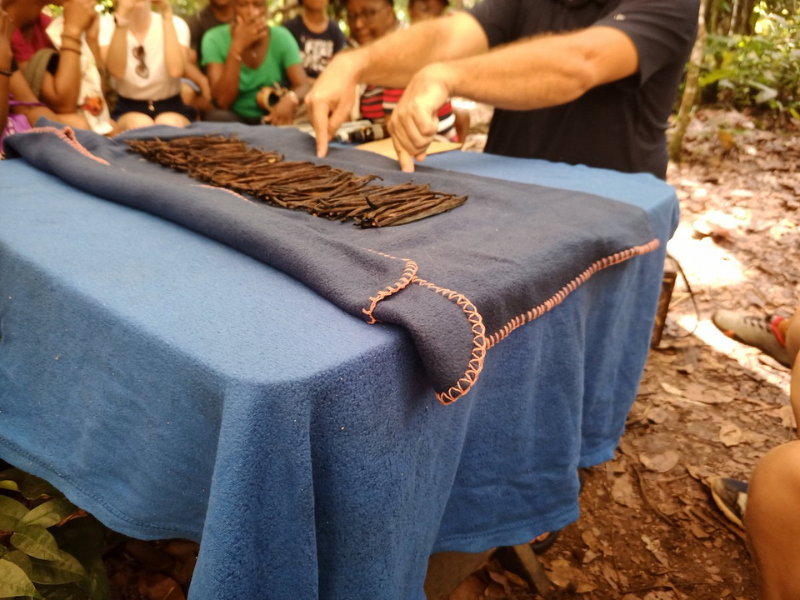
542, 546
730, 495
752, 330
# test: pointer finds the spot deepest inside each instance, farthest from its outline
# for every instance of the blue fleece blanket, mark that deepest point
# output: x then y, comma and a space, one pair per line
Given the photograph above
459, 282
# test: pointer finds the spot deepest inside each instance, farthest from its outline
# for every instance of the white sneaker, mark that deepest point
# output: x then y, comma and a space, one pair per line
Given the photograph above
752, 330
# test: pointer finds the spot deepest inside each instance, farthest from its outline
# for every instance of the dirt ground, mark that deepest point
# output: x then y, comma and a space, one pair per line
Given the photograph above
648, 529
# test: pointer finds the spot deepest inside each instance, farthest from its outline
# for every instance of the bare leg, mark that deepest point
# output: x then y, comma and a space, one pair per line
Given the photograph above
133, 120
772, 521
74, 120
172, 119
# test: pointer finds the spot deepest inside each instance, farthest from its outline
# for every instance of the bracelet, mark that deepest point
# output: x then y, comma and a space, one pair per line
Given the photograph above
75, 50
5, 72
71, 37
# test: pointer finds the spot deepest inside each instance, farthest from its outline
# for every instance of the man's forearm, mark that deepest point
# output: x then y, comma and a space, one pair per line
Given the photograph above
392, 61
539, 72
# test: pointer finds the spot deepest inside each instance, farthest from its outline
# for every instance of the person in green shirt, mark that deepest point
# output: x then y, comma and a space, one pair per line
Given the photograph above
255, 71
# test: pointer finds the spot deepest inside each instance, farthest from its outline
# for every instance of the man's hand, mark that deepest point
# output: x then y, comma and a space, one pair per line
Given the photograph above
414, 122
78, 16
330, 100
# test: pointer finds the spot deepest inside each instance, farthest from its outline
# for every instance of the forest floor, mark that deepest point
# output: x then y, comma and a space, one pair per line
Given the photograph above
648, 528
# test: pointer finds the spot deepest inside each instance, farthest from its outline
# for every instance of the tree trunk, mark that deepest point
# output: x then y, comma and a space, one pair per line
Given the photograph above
744, 20
712, 16
734, 16
675, 146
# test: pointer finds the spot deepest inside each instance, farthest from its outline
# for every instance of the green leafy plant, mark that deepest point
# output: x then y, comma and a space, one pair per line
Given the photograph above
49, 548
757, 70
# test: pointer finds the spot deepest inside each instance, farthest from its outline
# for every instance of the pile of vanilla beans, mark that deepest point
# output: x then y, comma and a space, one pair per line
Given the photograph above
319, 189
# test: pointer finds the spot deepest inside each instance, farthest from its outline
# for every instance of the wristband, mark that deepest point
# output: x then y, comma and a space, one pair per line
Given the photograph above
71, 37
75, 50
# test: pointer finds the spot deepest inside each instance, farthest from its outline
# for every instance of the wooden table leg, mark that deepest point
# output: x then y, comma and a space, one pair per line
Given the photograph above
534, 569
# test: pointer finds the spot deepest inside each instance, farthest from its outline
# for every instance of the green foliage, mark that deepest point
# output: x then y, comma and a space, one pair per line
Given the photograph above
762, 69
48, 547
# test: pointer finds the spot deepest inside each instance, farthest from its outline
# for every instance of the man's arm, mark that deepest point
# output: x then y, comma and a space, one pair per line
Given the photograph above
392, 62
536, 73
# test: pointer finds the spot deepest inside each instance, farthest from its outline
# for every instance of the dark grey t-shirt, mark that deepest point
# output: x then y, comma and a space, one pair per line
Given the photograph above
619, 125
317, 49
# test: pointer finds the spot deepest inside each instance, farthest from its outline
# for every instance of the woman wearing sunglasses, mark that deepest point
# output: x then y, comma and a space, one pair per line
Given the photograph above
145, 55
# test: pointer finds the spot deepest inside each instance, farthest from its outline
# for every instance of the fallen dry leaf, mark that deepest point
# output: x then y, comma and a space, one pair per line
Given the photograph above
160, 587
654, 546
730, 434
563, 574
471, 588
657, 415
660, 462
671, 389
622, 491
786, 415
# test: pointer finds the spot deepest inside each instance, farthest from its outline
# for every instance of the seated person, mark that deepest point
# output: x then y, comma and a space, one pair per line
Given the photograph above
92, 103
255, 70
767, 507
21, 102
422, 10
370, 20
216, 13
196, 90
145, 54
319, 38
6, 57
53, 77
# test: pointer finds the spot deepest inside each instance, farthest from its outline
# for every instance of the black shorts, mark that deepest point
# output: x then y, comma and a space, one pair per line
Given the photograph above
154, 108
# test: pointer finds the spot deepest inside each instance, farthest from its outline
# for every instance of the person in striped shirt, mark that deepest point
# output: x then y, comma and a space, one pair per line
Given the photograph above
369, 20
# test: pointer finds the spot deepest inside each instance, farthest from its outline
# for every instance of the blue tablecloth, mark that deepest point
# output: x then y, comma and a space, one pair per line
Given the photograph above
220, 399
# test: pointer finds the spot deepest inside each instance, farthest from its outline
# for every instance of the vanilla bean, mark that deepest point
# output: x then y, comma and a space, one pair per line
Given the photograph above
320, 190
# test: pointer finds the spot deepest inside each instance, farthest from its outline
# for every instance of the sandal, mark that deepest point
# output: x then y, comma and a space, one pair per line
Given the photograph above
542, 546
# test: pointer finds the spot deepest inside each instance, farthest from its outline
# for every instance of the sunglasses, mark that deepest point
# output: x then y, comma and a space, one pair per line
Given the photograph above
141, 69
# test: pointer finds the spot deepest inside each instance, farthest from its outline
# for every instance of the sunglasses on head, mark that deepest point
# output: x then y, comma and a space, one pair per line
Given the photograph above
141, 69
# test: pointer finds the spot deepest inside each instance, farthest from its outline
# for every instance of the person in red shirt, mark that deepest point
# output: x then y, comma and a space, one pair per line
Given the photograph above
6, 31
58, 84
370, 20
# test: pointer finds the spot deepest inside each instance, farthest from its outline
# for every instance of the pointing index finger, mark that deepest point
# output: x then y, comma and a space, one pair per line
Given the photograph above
319, 117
